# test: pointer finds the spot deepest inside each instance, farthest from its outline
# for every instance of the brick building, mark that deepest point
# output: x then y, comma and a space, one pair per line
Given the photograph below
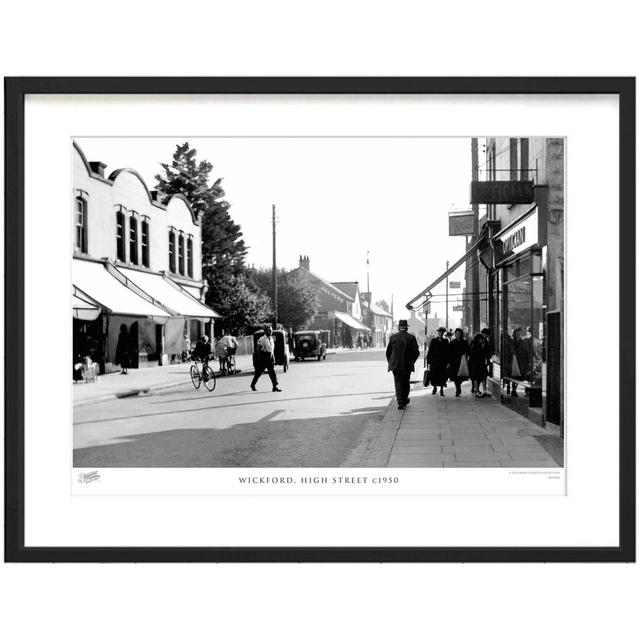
339, 306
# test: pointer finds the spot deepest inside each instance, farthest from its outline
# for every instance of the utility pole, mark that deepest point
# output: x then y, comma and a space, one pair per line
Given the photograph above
446, 299
475, 268
275, 273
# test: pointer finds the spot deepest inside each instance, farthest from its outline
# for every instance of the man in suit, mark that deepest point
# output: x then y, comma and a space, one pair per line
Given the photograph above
402, 352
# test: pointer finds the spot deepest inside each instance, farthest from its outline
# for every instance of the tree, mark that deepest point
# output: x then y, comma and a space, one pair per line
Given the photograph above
223, 249
296, 300
383, 305
246, 308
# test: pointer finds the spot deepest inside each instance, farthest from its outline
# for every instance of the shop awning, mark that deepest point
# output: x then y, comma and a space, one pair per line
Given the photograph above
351, 321
93, 280
85, 310
168, 294
471, 251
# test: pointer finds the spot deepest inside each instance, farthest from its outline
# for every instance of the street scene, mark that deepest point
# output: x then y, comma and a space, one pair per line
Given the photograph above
222, 317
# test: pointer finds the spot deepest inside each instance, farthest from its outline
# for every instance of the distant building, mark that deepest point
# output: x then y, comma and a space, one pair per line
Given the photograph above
379, 320
136, 262
339, 309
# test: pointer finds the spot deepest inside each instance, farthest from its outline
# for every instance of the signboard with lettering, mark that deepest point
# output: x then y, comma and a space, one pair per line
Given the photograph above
518, 237
454, 284
501, 192
461, 223
458, 307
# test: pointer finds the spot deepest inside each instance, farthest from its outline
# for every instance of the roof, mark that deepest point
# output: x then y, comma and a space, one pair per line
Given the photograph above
324, 282
379, 311
350, 288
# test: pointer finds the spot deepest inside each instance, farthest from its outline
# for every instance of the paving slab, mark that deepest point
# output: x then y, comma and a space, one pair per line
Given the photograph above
464, 432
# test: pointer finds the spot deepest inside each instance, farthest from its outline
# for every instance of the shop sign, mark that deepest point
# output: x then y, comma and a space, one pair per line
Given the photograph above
519, 237
458, 307
454, 284
502, 192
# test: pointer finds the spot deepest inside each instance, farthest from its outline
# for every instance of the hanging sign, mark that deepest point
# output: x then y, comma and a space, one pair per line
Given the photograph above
454, 284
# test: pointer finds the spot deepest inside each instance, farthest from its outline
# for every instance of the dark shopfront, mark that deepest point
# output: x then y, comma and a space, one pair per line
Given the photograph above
526, 366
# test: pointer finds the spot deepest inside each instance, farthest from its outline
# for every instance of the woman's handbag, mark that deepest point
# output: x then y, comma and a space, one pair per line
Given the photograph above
463, 370
426, 378
515, 369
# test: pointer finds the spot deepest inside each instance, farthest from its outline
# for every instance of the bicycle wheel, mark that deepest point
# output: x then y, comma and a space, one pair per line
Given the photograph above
208, 377
195, 375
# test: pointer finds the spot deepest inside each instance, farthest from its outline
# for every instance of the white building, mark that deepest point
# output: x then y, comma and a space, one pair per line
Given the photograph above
136, 262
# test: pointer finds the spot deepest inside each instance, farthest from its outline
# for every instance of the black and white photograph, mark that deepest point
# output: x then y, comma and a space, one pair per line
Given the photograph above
362, 318
318, 302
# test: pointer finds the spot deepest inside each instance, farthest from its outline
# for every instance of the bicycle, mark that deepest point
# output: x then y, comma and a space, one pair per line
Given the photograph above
227, 358
207, 376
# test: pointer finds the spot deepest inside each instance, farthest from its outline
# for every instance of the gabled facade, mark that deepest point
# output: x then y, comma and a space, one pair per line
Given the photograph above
137, 260
337, 306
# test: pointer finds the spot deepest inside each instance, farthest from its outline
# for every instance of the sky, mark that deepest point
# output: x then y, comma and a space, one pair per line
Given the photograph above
336, 199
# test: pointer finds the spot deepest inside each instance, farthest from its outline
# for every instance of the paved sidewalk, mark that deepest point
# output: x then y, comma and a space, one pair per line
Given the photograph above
137, 381
436, 431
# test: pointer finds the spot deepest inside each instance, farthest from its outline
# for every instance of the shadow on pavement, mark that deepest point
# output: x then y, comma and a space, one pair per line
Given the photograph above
277, 399
304, 442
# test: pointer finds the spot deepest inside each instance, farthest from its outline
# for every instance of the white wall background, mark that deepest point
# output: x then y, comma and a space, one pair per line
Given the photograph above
332, 38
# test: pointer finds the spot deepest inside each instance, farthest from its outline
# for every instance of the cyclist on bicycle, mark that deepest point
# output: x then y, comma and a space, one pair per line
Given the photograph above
226, 349
202, 351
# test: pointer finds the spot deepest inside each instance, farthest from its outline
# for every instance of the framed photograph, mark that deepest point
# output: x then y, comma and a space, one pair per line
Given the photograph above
320, 319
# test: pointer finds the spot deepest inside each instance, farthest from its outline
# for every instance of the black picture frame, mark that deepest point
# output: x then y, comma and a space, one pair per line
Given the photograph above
15, 91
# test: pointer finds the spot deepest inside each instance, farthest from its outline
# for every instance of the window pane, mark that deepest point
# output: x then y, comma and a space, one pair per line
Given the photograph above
81, 229
190, 258
145, 243
172, 252
120, 245
181, 255
133, 240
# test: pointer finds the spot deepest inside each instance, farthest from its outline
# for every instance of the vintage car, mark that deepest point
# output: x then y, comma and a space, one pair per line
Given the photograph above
309, 344
281, 344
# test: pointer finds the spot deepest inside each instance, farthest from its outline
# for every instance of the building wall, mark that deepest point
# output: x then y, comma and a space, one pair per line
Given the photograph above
546, 164
125, 189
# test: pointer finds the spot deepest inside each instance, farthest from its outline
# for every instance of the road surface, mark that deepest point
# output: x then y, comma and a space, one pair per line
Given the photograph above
317, 421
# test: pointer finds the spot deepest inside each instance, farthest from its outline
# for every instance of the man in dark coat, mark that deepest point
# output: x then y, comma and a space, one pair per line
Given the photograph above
438, 359
402, 352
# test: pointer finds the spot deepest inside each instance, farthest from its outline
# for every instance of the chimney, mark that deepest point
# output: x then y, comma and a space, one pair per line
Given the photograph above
304, 262
98, 167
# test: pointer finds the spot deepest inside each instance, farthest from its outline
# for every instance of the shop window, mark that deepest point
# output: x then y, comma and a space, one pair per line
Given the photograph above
190, 257
181, 254
144, 233
81, 225
172, 251
121, 251
133, 239
522, 334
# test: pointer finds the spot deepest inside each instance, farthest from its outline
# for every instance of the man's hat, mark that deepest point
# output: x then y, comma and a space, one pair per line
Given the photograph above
403, 323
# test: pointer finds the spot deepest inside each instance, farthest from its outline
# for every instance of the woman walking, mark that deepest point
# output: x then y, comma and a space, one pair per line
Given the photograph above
437, 360
122, 350
478, 364
458, 365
